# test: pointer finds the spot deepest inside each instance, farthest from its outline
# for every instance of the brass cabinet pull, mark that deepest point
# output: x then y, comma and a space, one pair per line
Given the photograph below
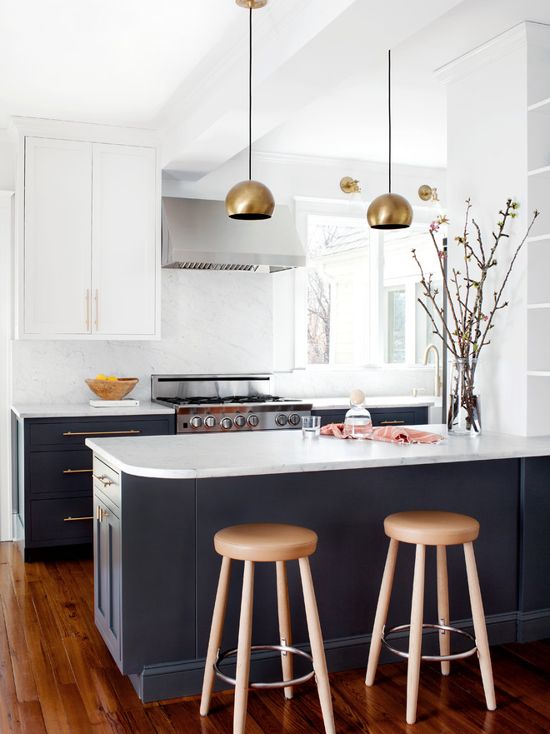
97, 309
77, 519
392, 423
105, 481
77, 471
100, 514
88, 309
130, 431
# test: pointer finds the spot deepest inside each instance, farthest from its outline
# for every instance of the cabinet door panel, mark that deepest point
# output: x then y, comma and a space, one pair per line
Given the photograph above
107, 575
124, 240
58, 236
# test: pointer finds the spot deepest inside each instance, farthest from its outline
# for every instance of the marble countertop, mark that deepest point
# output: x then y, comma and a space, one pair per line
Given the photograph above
394, 401
65, 410
62, 410
278, 452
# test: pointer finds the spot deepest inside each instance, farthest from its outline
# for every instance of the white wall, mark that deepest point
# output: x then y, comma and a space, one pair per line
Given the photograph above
487, 161
289, 176
7, 161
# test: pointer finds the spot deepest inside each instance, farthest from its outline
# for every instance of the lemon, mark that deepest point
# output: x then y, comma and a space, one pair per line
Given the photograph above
101, 376
112, 378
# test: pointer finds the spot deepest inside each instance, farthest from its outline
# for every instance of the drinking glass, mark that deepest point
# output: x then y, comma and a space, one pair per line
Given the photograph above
311, 426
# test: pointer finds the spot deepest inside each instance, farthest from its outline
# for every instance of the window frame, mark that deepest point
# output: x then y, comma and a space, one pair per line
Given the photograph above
376, 339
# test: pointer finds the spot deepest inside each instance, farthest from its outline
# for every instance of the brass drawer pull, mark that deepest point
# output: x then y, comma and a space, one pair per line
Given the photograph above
392, 423
77, 519
77, 471
105, 481
102, 433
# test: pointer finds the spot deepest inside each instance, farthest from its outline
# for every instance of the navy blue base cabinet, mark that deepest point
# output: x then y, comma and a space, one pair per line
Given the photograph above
407, 416
157, 570
52, 491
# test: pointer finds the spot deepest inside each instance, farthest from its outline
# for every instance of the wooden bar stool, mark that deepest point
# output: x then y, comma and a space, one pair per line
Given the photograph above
277, 544
439, 529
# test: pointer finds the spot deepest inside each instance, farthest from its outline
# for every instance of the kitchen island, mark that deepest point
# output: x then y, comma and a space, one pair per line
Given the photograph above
160, 499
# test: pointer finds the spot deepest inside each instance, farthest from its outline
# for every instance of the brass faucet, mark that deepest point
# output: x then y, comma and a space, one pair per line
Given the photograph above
437, 376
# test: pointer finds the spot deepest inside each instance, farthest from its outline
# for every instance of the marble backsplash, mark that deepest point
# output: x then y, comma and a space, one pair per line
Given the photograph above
318, 382
212, 322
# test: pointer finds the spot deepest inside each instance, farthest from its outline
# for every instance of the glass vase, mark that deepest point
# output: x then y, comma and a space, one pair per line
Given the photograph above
464, 417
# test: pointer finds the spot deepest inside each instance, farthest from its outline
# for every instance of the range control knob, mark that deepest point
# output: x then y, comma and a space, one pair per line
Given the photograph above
253, 420
240, 421
294, 419
210, 421
196, 421
226, 423
281, 419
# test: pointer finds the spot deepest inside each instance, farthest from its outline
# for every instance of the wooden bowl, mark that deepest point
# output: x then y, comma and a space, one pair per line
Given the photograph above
112, 389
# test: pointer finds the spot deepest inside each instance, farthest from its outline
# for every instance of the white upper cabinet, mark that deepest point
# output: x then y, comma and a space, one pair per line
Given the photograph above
123, 228
88, 252
58, 237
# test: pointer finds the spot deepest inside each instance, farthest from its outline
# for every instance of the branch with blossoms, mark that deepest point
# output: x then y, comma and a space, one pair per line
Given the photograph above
471, 313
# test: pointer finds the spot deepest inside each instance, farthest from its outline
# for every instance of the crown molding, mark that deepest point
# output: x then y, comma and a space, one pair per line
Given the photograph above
495, 48
44, 127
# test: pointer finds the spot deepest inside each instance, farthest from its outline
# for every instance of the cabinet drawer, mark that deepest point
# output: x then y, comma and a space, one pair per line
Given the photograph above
107, 481
393, 417
66, 473
74, 433
56, 521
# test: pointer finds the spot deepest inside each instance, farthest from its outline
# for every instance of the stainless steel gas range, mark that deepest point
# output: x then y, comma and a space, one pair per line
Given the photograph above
210, 403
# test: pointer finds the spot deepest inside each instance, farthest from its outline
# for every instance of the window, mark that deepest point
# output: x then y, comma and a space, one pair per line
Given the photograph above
338, 293
407, 327
362, 292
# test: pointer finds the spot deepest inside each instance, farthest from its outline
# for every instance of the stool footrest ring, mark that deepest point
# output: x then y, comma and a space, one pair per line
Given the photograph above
431, 658
276, 684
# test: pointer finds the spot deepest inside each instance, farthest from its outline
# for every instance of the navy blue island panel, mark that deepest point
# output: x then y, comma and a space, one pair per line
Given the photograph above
169, 567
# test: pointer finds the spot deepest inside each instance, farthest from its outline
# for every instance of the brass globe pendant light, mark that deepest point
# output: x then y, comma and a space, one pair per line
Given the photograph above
389, 211
250, 199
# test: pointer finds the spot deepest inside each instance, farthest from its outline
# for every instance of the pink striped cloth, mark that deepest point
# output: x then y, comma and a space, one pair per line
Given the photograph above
390, 434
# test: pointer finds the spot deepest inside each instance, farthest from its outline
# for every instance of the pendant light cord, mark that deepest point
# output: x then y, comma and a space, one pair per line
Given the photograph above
389, 121
250, 95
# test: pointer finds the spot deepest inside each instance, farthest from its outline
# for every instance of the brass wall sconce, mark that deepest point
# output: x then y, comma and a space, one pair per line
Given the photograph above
428, 193
350, 185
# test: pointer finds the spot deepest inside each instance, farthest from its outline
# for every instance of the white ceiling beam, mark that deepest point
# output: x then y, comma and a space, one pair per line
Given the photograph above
300, 53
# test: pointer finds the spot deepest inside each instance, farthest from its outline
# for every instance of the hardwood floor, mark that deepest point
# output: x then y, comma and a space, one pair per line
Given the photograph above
57, 677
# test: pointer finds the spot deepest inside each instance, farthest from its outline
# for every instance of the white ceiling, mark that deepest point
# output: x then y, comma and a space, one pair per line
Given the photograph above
113, 61
149, 62
350, 121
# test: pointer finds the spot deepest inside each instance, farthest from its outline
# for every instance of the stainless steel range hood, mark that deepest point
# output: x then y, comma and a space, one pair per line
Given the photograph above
197, 234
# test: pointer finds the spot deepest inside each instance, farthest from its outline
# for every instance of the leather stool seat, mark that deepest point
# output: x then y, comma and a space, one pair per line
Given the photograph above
265, 542
431, 528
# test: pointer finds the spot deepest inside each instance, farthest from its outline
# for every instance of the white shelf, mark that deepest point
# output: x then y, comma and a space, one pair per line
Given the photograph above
544, 171
539, 238
543, 106
538, 305
540, 373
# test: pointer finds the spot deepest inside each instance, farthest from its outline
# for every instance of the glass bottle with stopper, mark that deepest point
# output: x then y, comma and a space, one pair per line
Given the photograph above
358, 422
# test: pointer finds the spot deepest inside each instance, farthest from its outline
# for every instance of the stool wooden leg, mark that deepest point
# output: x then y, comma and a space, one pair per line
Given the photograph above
415, 640
443, 607
285, 629
243, 654
216, 631
480, 628
317, 649
381, 611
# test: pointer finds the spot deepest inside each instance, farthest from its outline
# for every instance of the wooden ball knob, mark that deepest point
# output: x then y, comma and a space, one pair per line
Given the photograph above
357, 397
